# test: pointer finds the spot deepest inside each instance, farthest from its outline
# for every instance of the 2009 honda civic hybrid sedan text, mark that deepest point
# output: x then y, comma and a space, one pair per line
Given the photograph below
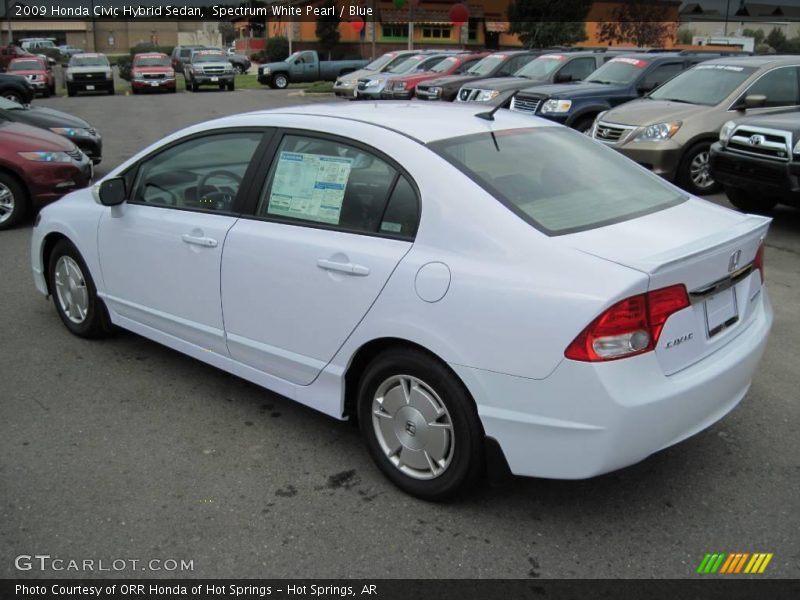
494, 290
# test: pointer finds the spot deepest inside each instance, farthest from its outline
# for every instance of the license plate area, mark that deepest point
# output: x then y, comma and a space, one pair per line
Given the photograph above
215, 79
721, 311
90, 87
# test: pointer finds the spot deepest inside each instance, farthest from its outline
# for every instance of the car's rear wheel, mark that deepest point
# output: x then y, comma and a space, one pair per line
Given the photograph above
240, 69
750, 202
13, 201
281, 81
420, 424
74, 293
694, 173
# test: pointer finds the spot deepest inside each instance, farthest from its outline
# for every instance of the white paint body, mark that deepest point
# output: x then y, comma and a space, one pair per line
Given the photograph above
494, 298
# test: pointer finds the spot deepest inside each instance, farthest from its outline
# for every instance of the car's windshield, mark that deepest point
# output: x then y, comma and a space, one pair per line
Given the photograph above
152, 61
380, 62
533, 172
6, 104
209, 57
704, 84
487, 65
25, 65
408, 64
619, 70
88, 61
541, 67
445, 65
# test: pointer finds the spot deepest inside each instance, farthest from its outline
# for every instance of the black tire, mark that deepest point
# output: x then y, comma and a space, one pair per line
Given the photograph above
750, 202
111, 91
13, 201
134, 91
222, 87
689, 179
231, 86
47, 93
13, 96
280, 81
584, 125
240, 69
463, 440
95, 322
70, 91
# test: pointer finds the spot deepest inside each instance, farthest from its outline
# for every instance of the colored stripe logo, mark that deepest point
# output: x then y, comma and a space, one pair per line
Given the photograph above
734, 563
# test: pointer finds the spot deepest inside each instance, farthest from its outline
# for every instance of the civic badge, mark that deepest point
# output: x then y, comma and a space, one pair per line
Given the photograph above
733, 262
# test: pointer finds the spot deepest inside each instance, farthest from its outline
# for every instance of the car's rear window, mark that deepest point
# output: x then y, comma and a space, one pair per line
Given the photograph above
558, 180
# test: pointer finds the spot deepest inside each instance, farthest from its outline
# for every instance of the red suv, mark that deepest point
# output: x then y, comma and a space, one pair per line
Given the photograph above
402, 87
37, 71
9, 53
152, 71
36, 167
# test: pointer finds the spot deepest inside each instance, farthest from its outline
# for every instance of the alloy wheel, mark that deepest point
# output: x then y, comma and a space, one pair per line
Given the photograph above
71, 290
699, 170
7, 203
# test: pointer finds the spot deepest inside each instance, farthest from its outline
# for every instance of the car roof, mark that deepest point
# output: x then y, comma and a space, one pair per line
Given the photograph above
767, 60
422, 121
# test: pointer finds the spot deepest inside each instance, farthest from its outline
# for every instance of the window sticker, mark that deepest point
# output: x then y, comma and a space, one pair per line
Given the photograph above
641, 64
391, 227
309, 186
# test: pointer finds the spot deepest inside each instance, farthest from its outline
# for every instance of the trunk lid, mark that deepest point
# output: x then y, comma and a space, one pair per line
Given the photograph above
707, 248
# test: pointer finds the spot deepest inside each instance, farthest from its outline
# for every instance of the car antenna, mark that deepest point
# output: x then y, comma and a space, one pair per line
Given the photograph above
489, 114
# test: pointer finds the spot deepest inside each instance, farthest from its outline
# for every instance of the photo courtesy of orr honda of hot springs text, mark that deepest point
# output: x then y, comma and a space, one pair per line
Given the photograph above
444, 276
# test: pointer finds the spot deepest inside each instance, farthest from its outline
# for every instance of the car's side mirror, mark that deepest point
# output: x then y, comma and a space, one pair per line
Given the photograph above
112, 192
754, 101
562, 78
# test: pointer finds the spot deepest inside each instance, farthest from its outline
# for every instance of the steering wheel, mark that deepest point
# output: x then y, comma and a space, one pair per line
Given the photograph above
221, 200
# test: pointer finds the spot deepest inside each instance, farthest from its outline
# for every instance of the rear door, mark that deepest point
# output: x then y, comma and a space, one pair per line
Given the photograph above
327, 230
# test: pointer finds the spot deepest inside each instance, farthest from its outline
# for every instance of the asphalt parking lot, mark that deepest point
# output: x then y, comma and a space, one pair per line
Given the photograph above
123, 449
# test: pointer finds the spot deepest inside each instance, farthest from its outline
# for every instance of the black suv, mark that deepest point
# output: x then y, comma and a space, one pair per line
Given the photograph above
757, 161
559, 66
499, 64
621, 79
16, 88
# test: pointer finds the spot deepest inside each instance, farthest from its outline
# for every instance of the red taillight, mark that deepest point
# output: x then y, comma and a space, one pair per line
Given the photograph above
631, 326
758, 261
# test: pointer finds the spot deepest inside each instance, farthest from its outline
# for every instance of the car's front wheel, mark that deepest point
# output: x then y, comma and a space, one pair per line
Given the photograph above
13, 201
420, 424
281, 81
74, 293
13, 96
694, 173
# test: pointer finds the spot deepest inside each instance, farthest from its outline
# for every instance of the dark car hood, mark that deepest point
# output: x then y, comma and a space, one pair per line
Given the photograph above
785, 121
46, 118
578, 89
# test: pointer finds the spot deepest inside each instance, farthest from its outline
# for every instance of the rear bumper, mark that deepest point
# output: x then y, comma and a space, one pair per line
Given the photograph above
583, 420
752, 173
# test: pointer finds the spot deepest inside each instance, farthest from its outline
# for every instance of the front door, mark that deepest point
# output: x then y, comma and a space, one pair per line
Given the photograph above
160, 251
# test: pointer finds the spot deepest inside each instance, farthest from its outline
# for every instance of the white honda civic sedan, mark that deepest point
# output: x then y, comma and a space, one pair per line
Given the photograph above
480, 292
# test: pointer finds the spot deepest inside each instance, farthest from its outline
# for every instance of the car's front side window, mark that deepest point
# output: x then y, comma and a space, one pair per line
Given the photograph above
330, 183
779, 86
203, 173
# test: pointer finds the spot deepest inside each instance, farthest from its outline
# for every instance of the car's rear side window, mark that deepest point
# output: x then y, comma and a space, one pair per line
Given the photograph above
557, 179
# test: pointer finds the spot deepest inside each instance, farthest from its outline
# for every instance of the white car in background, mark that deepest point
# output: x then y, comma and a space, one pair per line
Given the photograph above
474, 290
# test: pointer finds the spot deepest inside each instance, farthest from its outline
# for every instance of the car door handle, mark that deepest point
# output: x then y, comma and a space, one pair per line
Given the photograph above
349, 268
206, 242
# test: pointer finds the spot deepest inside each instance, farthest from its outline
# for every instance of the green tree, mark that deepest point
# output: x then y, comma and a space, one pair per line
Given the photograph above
277, 49
757, 35
639, 22
328, 29
777, 39
685, 36
544, 23
227, 31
